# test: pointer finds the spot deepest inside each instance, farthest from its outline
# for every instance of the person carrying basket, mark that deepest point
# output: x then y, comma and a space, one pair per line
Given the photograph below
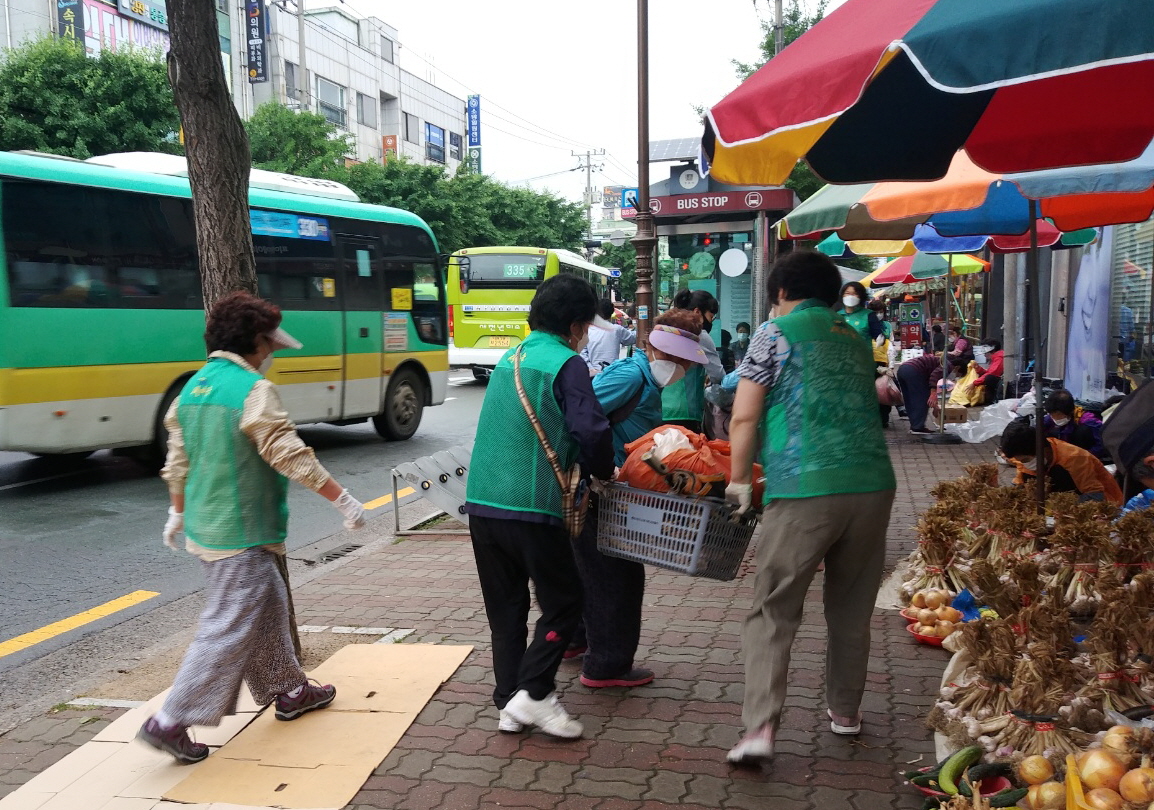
630, 394
807, 387
540, 426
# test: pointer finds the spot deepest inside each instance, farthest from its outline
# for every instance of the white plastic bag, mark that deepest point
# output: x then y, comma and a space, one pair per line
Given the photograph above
667, 441
991, 424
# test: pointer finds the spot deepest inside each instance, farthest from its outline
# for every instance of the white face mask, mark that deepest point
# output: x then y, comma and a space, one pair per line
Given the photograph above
1031, 465
265, 365
743, 337
666, 372
1062, 422
583, 342
851, 301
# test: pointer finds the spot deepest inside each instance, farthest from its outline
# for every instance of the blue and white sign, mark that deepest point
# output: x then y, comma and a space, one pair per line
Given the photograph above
288, 226
629, 197
474, 120
614, 272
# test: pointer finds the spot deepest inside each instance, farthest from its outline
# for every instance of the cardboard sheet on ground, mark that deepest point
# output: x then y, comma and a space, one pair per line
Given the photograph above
323, 758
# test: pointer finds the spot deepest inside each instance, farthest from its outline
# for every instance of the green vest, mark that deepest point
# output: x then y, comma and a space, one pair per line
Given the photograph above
821, 434
859, 321
685, 399
509, 469
232, 498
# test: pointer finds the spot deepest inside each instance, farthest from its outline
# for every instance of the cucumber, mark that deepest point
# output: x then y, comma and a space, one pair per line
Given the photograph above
1008, 797
955, 766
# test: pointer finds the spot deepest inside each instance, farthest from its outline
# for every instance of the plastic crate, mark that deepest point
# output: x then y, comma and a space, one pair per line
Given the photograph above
692, 536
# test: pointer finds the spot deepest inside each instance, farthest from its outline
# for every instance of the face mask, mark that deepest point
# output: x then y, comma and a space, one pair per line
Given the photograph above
265, 365
707, 326
743, 337
1060, 422
583, 342
851, 300
1031, 465
666, 372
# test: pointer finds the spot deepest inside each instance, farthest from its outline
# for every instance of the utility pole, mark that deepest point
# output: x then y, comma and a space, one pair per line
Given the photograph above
645, 240
303, 79
588, 166
778, 28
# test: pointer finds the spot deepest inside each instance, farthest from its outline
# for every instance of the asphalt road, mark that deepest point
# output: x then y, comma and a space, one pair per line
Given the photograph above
75, 537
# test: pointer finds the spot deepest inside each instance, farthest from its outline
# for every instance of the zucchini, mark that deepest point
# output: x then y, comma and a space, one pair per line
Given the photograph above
955, 766
983, 770
1008, 797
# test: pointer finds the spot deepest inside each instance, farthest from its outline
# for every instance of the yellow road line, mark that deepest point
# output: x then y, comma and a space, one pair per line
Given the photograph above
72, 622
387, 499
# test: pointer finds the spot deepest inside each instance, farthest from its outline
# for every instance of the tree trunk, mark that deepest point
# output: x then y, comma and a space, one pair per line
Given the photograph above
217, 149
218, 167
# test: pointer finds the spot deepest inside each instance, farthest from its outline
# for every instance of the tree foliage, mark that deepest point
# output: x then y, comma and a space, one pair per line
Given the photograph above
625, 258
54, 98
464, 210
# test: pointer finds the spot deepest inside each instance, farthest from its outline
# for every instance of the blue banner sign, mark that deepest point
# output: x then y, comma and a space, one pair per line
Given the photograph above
257, 42
474, 120
288, 226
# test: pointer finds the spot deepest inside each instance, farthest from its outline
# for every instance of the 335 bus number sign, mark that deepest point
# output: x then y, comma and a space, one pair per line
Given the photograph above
520, 271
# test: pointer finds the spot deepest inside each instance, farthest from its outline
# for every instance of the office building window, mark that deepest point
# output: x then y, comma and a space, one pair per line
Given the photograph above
331, 102
290, 81
387, 49
434, 143
455, 145
222, 5
367, 110
412, 128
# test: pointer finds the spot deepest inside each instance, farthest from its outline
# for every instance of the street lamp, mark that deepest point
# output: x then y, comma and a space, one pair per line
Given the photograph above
645, 239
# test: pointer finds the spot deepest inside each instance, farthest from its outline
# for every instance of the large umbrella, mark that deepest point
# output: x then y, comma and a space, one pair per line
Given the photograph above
1020, 84
920, 266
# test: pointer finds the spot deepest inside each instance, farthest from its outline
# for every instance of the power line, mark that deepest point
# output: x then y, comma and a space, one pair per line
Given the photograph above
543, 176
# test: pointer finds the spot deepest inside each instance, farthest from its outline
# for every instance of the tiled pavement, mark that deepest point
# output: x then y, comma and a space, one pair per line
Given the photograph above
650, 748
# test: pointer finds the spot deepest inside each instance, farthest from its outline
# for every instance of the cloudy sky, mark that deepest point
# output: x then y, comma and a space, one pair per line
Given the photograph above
561, 77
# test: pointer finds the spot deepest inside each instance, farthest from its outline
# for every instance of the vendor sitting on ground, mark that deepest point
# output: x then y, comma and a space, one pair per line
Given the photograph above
1066, 421
1068, 468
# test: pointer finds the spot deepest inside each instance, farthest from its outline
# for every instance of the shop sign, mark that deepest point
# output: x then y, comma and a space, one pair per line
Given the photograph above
149, 12
257, 43
69, 13
724, 202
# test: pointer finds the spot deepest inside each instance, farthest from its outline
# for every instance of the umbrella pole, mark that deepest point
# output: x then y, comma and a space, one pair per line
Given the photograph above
1033, 281
941, 437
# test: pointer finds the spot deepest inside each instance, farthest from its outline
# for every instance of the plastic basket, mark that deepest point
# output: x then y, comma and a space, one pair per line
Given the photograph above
692, 536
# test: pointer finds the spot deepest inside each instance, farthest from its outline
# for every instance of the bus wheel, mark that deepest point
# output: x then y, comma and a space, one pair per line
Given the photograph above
404, 402
480, 374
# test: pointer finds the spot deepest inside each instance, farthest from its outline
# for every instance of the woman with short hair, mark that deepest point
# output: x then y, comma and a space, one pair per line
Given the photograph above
515, 503
232, 449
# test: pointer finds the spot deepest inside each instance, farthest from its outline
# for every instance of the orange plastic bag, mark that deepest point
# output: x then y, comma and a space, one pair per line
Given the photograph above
706, 458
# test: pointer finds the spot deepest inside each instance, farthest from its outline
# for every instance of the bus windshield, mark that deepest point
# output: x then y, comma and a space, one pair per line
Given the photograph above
506, 270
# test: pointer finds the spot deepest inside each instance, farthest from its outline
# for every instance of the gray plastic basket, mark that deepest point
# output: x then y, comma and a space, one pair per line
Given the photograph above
694, 537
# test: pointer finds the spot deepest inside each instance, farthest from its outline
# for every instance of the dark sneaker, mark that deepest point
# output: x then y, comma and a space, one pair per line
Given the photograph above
313, 696
574, 650
173, 741
634, 677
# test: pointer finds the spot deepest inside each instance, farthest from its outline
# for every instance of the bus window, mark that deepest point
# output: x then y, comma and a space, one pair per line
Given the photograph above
509, 271
298, 274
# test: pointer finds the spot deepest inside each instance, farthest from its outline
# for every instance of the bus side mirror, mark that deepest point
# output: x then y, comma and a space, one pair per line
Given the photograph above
463, 273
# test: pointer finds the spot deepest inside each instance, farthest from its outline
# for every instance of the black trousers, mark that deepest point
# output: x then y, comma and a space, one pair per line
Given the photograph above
510, 554
916, 395
612, 614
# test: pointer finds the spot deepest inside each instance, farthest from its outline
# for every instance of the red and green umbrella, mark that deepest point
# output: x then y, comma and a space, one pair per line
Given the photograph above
891, 89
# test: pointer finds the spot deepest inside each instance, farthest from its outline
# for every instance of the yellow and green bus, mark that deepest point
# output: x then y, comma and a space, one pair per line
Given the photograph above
102, 319
489, 290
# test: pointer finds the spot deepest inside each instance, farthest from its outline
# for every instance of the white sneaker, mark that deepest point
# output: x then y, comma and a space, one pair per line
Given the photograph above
547, 714
508, 725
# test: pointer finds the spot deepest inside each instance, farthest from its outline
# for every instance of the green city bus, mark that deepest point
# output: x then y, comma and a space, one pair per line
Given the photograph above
102, 319
489, 290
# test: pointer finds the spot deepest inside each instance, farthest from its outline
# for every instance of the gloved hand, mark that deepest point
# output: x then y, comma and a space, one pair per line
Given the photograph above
881, 340
352, 509
740, 494
172, 527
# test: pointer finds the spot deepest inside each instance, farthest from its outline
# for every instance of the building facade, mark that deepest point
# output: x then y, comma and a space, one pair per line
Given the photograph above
350, 73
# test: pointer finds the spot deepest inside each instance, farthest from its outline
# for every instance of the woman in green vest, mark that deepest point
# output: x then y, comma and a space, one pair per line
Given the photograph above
514, 501
683, 402
806, 403
232, 450
857, 313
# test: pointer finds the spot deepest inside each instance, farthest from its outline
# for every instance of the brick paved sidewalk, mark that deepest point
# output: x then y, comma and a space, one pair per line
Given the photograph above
654, 747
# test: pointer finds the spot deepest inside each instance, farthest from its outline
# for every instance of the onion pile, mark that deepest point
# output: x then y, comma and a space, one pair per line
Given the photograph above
935, 618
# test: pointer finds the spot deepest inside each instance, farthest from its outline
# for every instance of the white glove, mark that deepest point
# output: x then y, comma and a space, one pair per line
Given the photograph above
740, 494
881, 341
352, 509
172, 527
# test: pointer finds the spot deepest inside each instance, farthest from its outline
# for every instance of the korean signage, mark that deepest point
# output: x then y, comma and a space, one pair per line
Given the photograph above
149, 12
70, 19
611, 196
474, 121
474, 160
910, 318
288, 226
256, 42
388, 147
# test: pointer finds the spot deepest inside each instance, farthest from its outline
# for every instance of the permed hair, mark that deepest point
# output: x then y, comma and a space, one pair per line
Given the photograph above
1019, 439
1061, 401
235, 321
801, 275
560, 302
680, 319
